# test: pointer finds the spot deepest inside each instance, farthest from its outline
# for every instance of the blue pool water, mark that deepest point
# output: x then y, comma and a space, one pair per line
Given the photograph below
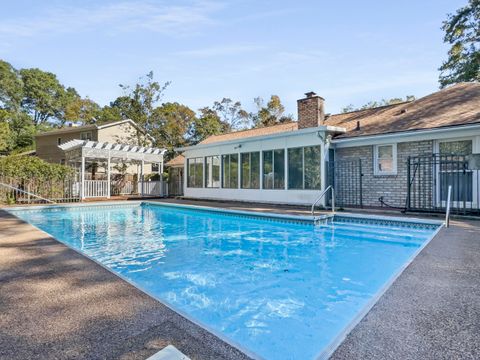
281, 289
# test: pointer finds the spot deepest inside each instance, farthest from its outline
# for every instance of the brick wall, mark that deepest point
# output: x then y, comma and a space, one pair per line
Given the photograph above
393, 188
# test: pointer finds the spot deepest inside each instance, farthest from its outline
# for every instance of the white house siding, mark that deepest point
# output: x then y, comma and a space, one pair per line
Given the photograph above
282, 196
393, 188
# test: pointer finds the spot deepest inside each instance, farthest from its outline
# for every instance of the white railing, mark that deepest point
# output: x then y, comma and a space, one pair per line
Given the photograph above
151, 188
99, 188
128, 188
95, 188
330, 187
447, 213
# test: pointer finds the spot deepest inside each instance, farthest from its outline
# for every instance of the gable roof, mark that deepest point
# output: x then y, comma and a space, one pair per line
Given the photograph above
70, 129
456, 105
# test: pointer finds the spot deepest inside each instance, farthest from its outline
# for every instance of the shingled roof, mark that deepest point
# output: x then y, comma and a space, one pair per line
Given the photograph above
178, 160
268, 130
456, 105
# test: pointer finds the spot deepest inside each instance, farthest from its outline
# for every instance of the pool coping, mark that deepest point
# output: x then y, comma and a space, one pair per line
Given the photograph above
333, 345
413, 220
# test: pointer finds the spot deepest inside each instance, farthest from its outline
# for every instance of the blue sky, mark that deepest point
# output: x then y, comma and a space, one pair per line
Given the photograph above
346, 51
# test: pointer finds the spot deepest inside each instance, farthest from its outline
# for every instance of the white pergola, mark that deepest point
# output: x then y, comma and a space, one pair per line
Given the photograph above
80, 150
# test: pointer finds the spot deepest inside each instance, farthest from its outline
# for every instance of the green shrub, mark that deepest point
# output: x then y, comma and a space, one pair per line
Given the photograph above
30, 167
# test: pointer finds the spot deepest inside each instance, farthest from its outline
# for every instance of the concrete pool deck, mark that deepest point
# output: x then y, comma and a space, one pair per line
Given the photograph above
56, 303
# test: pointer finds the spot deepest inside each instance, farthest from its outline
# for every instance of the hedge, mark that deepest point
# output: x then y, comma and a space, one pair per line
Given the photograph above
32, 168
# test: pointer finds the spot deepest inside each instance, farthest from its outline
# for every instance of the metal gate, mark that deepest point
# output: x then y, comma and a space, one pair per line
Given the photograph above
346, 178
175, 181
429, 178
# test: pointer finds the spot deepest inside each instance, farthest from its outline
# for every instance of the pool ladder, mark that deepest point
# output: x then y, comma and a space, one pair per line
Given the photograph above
323, 219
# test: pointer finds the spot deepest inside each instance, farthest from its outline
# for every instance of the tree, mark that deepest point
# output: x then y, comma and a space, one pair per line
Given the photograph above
139, 101
23, 131
462, 33
207, 124
11, 87
170, 123
270, 114
108, 114
43, 95
375, 104
6, 140
84, 110
232, 114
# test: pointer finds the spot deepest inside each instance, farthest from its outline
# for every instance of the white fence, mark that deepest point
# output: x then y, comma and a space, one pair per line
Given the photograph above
99, 188
128, 188
96, 188
152, 188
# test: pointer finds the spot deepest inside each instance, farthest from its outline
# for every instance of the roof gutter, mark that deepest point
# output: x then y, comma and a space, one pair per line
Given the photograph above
322, 128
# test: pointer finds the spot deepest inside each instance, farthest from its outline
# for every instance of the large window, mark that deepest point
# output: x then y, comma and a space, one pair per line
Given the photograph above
212, 171
230, 171
304, 168
274, 169
250, 173
385, 159
195, 172
312, 165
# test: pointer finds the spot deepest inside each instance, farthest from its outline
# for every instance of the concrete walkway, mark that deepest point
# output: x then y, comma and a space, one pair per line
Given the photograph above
57, 304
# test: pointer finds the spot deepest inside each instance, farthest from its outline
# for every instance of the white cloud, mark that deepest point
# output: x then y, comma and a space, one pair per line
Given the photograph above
124, 16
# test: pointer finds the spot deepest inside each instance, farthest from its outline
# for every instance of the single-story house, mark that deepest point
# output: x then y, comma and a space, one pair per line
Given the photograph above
400, 155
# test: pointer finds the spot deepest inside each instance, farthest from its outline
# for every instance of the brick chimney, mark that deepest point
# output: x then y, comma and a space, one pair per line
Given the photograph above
311, 111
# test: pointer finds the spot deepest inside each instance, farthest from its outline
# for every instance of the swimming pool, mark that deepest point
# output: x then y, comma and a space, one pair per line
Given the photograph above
278, 287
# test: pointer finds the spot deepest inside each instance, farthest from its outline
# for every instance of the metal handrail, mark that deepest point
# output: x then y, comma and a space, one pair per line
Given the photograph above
330, 187
447, 213
28, 193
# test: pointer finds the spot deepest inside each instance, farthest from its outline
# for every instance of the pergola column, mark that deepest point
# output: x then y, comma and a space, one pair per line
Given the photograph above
108, 175
141, 174
82, 178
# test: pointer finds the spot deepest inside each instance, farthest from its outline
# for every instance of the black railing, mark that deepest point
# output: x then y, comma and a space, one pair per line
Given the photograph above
429, 178
346, 178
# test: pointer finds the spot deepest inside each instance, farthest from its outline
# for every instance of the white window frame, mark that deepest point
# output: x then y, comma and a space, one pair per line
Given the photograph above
84, 135
378, 172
